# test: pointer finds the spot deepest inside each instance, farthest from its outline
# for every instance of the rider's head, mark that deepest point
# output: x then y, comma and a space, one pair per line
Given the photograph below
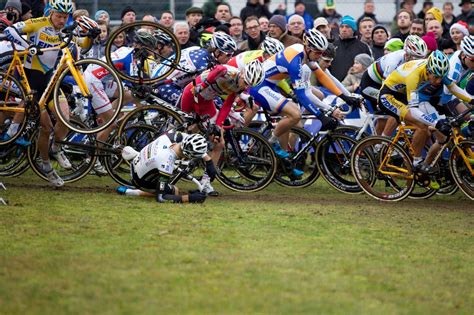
144, 38
164, 43
415, 47
222, 46
60, 10
252, 75
467, 51
315, 44
437, 66
271, 46
194, 146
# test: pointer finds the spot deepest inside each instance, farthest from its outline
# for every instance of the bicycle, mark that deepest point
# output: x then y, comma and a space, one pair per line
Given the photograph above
383, 167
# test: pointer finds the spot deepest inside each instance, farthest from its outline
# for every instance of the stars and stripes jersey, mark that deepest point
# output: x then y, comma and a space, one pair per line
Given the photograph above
382, 67
124, 61
411, 78
193, 61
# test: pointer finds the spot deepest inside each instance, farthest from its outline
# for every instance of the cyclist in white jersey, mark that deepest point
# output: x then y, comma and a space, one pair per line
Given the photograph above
152, 167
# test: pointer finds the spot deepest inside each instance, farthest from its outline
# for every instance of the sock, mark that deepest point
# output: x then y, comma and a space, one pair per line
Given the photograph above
273, 139
13, 129
205, 178
417, 160
133, 192
55, 147
385, 135
47, 166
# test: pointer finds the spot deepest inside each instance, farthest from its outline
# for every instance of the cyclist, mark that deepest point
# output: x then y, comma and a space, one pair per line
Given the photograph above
45, 32
222, 80
152, 167
295, 62
414, 48
195, 60
400, 98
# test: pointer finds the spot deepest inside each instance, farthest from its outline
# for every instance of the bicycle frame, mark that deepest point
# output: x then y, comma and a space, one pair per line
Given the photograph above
400, 133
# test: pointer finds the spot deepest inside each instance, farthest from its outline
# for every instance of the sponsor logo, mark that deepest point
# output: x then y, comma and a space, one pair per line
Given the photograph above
49, 38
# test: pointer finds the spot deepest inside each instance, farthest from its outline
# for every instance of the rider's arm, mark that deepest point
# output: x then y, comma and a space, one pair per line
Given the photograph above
225, 109
217, 72
459, 93
338, 83
326, 81
14, 32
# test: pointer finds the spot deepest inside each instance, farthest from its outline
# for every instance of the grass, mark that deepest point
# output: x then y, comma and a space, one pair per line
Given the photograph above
87, 250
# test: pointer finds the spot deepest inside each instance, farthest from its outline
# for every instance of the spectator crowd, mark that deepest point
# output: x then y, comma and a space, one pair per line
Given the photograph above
355, 41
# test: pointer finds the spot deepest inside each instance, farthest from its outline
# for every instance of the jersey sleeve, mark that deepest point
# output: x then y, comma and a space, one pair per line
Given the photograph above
225, 109
14, 32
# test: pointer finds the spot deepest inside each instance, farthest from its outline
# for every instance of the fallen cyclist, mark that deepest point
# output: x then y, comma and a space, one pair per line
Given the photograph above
152, 168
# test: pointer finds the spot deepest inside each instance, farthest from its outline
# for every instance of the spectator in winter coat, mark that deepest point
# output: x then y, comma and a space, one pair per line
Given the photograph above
236, 30
300, 8
417, 27
296, 26
458, 31
255, 36
348, 46
277, 29
354, 76
448, 18
379, 38
404, 19
255, 8
369, 9
366, 25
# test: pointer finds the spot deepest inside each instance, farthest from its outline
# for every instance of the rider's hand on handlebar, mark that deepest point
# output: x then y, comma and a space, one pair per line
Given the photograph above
34, 50
338, 114
351, 101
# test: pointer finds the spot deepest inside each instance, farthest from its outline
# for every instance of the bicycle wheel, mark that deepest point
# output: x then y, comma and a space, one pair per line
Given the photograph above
382, 169
162, 119
79, 149
248, 164
160, 66
72, 105
11, 158
461, 165
302, 157
12, 101
136, 136
333, 157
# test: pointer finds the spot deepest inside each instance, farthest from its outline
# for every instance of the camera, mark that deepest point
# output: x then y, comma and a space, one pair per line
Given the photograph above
12, 16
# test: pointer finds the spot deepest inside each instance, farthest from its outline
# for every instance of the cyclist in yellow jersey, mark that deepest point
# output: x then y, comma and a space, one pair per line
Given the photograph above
42, 33
400, 96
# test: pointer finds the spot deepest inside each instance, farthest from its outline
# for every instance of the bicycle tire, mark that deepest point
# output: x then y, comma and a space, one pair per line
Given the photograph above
461, 169
136, 136
81, 158
365, 163
76, 101
249, 173
12, 96
138, 25
161, 118
333, 158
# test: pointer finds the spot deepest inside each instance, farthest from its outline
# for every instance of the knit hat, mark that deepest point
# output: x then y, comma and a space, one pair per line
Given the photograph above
15, 4
192, 10
25, 8
99, 13
379, 27
126, 10
364, 59
299, 2
278, 20
330, 4
437, 13
430, 41
464, 2
349, 20
394, 44
461, 26
320, 21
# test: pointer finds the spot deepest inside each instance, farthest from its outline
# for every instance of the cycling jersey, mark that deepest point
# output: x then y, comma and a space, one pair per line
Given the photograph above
385, 65
194, 60
6, 53
41, 33
290, 63
411, 79
458, 72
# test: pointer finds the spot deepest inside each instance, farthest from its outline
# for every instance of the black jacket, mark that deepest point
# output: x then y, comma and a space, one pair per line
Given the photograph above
346, 50
377, 51
257, 10
370, 15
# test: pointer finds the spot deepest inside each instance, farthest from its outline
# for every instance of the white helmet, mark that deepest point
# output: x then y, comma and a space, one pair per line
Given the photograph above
61, 6
129, 153
438, 63
415, 46
254, 73
467, 46
272, 46
194, 146
223, 42
86, 24
315, 39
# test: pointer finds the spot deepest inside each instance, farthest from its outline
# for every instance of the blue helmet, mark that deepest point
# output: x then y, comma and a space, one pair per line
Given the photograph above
438, 64
61, 6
